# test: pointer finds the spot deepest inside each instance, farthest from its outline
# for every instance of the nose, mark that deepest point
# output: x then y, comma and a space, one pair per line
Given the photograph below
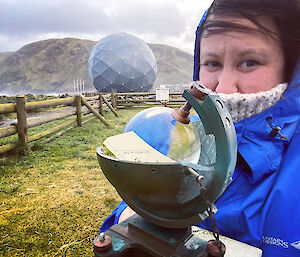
227, 82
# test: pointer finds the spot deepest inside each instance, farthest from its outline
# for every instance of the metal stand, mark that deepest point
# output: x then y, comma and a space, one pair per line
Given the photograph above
138, 237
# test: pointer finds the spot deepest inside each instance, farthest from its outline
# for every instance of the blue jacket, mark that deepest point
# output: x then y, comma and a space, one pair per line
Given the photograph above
261, 205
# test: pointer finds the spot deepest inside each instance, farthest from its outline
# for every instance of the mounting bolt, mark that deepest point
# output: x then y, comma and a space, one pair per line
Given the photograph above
102, 237
102, 243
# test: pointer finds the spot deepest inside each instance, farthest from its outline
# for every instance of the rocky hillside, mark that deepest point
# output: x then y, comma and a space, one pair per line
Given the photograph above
50, 66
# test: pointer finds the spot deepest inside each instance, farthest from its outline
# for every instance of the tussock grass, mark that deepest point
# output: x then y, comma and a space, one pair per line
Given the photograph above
53, 201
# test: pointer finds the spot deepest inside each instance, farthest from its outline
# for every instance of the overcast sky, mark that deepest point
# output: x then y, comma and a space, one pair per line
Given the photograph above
171, 22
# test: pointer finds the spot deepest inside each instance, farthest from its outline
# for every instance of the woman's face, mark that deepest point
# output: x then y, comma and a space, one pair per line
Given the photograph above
241, 62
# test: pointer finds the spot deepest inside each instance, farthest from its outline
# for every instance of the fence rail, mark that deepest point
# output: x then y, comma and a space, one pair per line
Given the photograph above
76, 106
128, 100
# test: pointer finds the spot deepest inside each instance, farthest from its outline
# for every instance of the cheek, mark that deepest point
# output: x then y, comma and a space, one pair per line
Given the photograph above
208, 79
261, 80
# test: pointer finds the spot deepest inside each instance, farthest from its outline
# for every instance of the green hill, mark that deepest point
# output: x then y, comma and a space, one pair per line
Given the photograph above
50, 66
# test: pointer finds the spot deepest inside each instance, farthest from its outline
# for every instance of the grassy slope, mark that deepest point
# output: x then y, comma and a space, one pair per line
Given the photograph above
4, 55
54, 200
51, 66
174, 65
47, 65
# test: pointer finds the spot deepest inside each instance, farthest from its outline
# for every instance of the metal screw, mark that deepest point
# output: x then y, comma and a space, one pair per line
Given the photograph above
200, 179
102, 237
102, 243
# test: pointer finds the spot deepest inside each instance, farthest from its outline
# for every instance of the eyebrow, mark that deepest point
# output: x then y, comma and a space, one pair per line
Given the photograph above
240, 54
210, 54
251, 51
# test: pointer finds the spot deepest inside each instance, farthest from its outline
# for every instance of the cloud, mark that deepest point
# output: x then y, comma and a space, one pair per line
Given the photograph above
27, 20
31, 17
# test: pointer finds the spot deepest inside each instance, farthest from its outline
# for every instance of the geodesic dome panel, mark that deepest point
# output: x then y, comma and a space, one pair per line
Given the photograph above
122, 62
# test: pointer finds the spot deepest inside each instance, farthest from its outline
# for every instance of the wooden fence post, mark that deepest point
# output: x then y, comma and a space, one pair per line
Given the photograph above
78, 109
109, 106
100, 104
114, 99
99, 116
22, 123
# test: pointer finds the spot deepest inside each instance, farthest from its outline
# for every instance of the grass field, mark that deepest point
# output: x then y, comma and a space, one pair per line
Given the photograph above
53, 201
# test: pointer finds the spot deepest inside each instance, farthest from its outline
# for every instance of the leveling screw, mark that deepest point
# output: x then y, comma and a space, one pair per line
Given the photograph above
102, 243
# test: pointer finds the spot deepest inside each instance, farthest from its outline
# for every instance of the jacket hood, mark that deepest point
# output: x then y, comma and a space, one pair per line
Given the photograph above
197, 45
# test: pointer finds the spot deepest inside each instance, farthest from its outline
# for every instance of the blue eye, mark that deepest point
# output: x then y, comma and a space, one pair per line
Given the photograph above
248, 64
213, 64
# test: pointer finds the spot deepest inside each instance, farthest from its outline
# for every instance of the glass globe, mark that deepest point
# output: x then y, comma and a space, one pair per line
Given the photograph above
157, 127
